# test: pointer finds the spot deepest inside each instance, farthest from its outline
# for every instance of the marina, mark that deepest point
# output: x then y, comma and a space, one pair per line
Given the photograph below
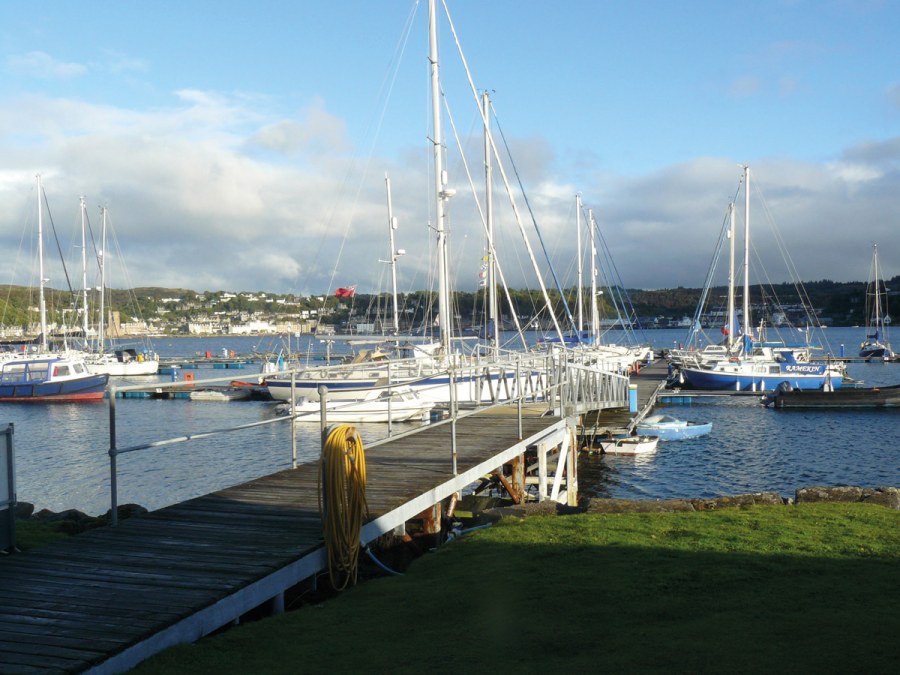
408, 475
204, 516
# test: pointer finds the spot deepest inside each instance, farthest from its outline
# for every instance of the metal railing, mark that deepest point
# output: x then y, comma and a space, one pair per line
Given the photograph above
567, 384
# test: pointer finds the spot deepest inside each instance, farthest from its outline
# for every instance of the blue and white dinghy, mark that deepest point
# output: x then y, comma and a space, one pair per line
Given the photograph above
669, 428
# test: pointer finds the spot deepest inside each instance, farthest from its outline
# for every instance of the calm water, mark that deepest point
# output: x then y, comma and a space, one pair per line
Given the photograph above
62, 460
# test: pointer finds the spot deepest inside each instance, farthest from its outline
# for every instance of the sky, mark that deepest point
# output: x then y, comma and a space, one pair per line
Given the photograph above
244, 146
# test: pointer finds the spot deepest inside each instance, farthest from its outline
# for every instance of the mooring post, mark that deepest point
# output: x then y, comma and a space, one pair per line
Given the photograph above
113, 487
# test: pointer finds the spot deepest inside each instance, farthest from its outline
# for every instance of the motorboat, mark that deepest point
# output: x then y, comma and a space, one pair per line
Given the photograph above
669, 428
628, 445
49, 377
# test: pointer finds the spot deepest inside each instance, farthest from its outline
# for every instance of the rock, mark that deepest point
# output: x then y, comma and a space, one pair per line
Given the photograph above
24, 510
883, 496
755, 499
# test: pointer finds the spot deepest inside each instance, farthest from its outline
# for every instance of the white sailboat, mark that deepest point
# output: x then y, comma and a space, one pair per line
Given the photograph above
876, 345
119, 362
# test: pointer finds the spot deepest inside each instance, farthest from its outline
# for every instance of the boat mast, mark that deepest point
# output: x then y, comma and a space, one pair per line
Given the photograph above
730, 321
595, 311
748, 326
493, 318
84, 282
101, 328
580, 296
41, 302
392, 225
440, 181
877, 320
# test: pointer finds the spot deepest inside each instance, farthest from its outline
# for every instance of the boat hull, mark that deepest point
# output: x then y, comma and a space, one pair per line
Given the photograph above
628, 445
876, 397
810, 376
91, 388
675, 433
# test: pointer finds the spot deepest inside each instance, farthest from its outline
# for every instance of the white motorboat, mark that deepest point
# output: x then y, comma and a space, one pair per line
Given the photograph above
628, 445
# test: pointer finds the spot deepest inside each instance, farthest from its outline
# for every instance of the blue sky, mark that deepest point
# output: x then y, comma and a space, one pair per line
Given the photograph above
243, 146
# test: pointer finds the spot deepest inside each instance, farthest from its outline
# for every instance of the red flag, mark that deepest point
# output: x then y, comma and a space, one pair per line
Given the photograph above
346, 292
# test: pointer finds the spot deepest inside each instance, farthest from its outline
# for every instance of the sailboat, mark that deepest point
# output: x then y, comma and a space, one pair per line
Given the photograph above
876, 345
432, 371
118, 362
43, 375
752, 365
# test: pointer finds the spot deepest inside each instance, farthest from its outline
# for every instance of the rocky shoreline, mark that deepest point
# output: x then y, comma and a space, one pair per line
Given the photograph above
72, 521
883, 496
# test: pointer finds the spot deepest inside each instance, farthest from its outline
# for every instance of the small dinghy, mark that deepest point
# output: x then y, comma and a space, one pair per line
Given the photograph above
669, 428
628, 445
220, 395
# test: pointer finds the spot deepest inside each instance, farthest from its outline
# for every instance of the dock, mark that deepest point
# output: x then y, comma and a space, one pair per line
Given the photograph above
106, 599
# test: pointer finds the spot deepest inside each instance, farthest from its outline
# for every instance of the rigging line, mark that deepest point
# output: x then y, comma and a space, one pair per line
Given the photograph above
785, 254
59, 250
537, 229
397, 57
503, 175
483, 219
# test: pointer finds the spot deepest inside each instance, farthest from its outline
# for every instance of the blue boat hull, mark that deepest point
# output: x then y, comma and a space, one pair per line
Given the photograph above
705, 379
88, 388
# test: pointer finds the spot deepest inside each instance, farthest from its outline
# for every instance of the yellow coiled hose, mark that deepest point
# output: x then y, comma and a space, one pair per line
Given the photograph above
342, 502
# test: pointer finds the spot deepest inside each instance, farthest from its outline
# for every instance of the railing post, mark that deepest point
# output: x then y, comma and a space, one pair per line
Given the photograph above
113, 480
519, 394
323, 411
453, 413
293, 415
8, 537
390, 400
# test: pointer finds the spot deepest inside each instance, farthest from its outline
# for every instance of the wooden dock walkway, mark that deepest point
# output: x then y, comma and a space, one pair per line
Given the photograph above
104, 600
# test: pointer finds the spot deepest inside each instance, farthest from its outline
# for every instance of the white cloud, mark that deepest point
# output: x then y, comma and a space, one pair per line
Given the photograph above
42, 65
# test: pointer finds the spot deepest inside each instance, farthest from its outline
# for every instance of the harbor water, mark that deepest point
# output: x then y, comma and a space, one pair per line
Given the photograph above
62, 459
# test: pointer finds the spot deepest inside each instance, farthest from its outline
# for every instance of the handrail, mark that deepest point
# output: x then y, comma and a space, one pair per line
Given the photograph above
563, 380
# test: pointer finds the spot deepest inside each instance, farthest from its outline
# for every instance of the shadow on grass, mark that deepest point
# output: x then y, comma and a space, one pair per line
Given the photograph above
482, 604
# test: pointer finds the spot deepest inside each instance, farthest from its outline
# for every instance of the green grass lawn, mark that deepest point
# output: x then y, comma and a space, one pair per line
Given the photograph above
807, 588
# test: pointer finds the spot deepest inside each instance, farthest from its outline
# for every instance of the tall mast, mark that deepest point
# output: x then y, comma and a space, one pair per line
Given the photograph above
595, 311
493, 314
440, 183
84, 282
41, 302
730, 320
748, 325
580, 297
392, 225
101, 325
877, 323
